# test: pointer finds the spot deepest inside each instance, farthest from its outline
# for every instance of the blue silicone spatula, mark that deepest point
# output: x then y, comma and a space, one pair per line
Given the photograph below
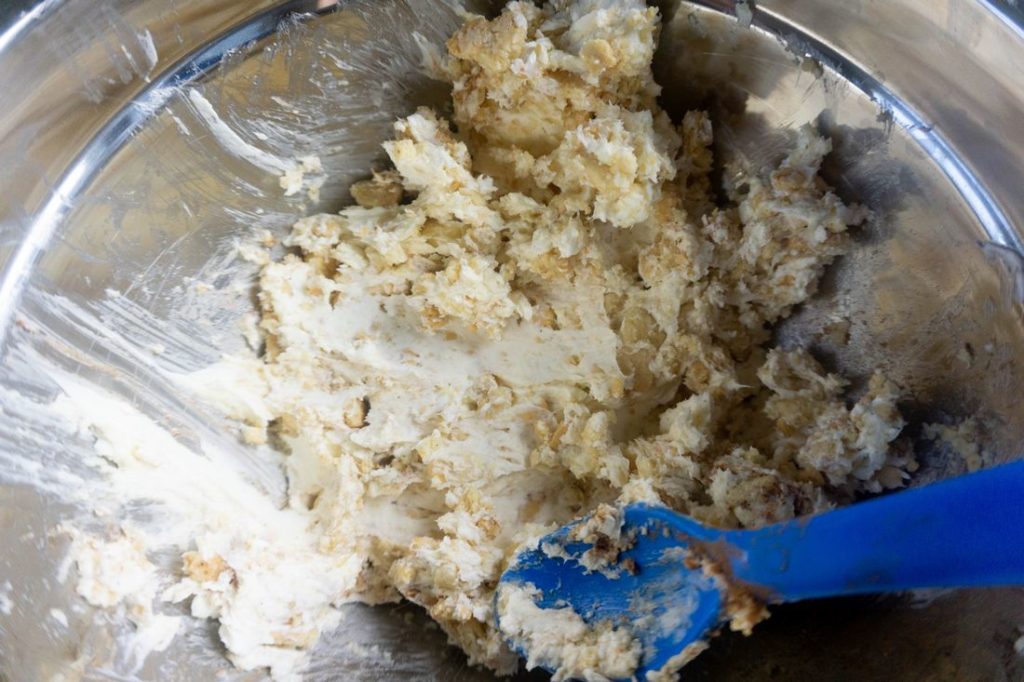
964, 532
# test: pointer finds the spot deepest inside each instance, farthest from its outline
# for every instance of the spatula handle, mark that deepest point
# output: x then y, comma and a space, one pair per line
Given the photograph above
968, 531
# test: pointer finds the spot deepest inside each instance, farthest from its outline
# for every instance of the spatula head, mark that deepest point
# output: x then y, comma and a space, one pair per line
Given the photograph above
635, 570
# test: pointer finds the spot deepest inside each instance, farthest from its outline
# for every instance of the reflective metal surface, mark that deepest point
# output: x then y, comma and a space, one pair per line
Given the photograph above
114, 180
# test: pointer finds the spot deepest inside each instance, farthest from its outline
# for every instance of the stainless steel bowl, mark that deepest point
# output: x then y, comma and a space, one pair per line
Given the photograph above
119, 193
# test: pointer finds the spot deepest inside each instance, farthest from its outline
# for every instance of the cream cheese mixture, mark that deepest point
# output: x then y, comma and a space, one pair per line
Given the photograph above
540, 308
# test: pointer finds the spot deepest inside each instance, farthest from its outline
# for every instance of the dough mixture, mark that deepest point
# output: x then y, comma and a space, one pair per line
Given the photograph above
540, 307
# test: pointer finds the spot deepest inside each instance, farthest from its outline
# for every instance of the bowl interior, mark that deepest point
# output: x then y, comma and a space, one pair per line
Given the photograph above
141, 276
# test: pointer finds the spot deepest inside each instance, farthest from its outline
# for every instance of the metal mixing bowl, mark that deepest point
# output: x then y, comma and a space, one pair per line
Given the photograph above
114, 181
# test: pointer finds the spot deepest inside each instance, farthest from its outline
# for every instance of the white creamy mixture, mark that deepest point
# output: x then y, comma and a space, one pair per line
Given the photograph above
559, 639
541, 308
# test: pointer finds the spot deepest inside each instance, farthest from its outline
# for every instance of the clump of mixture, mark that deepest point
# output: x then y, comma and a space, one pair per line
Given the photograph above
540, 308
560, 640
